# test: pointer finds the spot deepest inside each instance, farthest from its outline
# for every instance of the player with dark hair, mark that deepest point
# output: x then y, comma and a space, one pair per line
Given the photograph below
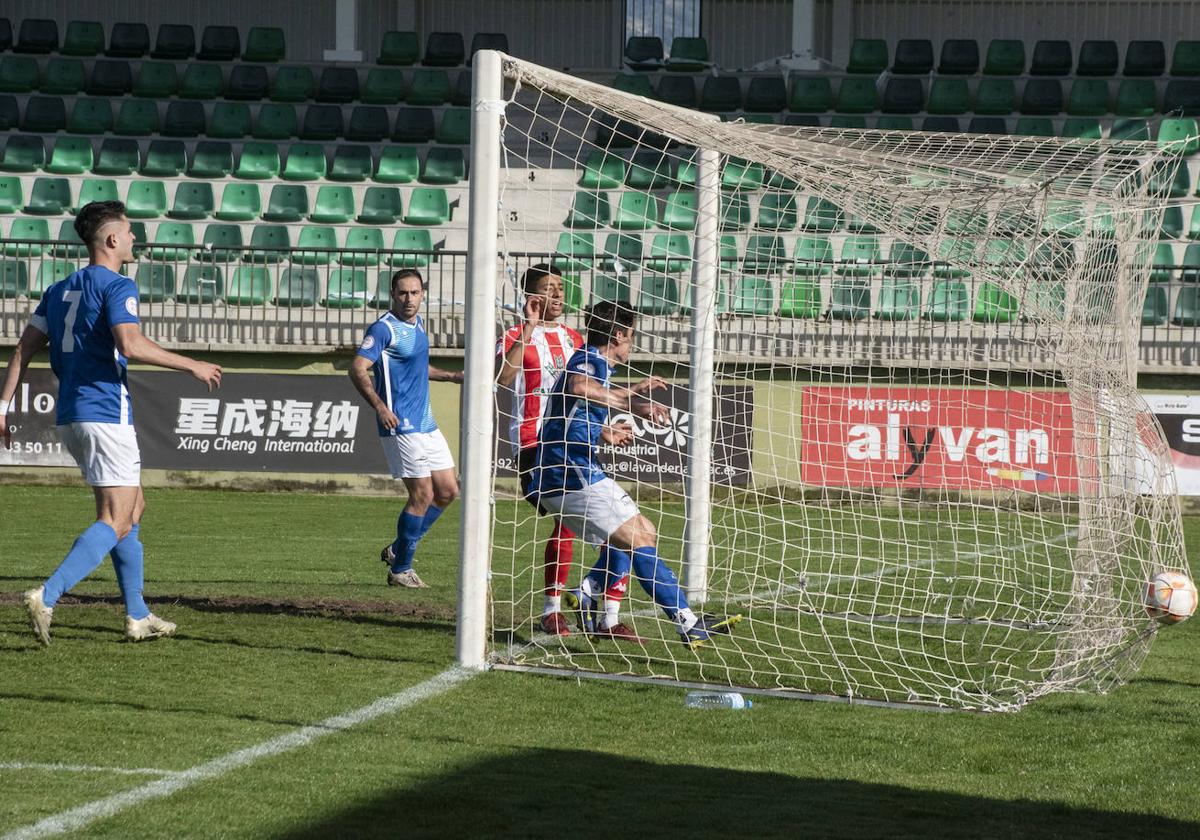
569, 481
392, 372
90, 321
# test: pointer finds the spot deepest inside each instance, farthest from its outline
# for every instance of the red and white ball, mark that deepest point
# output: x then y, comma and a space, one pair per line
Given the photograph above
1171, 597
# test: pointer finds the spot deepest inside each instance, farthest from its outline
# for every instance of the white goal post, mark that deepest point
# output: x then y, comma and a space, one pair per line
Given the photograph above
906, 441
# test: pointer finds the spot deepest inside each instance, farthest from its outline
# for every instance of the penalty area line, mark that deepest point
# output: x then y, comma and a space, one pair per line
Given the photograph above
81, 816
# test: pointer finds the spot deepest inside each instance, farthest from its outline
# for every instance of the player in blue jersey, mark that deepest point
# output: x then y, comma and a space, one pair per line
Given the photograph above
392, 372
90, 322
569, 481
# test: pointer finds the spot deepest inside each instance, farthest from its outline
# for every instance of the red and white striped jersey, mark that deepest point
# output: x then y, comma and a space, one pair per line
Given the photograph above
546, 354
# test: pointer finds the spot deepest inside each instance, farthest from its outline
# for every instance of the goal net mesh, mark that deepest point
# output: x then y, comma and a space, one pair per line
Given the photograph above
933, 479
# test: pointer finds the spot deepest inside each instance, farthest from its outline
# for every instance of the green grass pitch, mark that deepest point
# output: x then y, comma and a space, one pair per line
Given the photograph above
284, 621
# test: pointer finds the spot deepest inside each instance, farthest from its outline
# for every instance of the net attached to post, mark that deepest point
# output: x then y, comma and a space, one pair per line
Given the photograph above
932, 478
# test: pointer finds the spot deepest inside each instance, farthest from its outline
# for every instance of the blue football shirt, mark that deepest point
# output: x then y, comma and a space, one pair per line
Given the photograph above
570, 436
399, 356
78, 314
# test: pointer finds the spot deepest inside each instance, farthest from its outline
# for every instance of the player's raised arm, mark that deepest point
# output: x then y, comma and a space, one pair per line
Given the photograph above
512, 359
31, 342
136, 347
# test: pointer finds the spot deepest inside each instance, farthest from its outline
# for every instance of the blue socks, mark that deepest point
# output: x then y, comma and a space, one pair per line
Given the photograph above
127, 561
85, 555
431, 515
612, 566
409, 530
659, 581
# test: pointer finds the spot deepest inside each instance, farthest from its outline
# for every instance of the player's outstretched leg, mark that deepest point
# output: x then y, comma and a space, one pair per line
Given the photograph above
559, 551
85, 555
606, 584
663, 587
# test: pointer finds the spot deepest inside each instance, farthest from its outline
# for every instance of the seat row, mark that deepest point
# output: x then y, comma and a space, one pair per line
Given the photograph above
244, 82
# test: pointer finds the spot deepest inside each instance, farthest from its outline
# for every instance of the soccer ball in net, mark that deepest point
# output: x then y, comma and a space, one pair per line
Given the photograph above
1171, 597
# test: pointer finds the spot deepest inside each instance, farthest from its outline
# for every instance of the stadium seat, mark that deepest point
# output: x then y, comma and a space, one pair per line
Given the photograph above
67, 244
636, 211
172, 241
10, 118
287, 203
249, 285
155, 282
1172, 178
63, 77
859, 257
49, 197
156, 80
1063, 217
678, 90
588, 211
202, 81
943, 124
1171, 226
995, 96
230, 120
679, 211
265, 44
49, 272
90, 116
429, 87
740, 174
1042, 96
14, 278
914, 56
413, 125
765, 254
649, 169
868, 55
412, 249
117, 157
305, 162
1084, 129
1137, 98
734, 211
334, 205
212, 159
6, 39
71, 156
487, 41
949, 96
949, 300
202, 284
44, 115
444, 166
574, 251
240, 203
175, 42
688, 55
399, 48
83, 38
248, 82
322, 122
293, 83
23, 153
269, 244
347, 288
455, 127
821, 216
850, 298
365, 243
750, 296
1182, 98
1035, 126
444, 49
275, 122
397, 165
110, 77
608, 288
1180, 133
37, 35
766, 94
1098, 58
128, 40
351, 163
315, 246
258, 161
1187, 308
644, 52
812, 257
811, 94
146, 199
1129, 129
1185, 59
891, 122
1051, 58
993, 305
1155, 308
960, 57
221, 243
1145, 58
428, 206
338, 84
384, 86
219, 43
183, 119
1162, 265
777, 211
636, 83
381, 206
36, 231
12, 197
622, 253
899, 300
1190, 272
1005, 58
18, 74
856, 96
602, 171
658, 295
1089, 97
903, 96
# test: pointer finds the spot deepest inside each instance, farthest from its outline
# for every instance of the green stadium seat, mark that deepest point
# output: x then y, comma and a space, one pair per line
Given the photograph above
23, 153
847, 121
117, 157
860, 257
765, 254
212, 159
12, 197
192, 201
18, 74
347, 288
949, 300
230, 120
397, 165
183, 119
1035, 126
1185, 60
175, 42
850, 298
67, 244
315, 245
381, 206
35, 230
128, 40
1162, 266
1171, 226
428, 206
1187, 308
949, 96
636, 211
322, 122
602, 171
334, 205
156, 80
995, 96
14, 278
903, 96
429, 87
644, 52
906, 262
49, 272
338, 85
589, 210
399, 48
219, 43
240, 203
293, 83
899, 300
455, 127
734, 211
993, 305
649, 169
1182, 98
740, 174
960, 57
609, 288
444, 49
413, 125
411, 249
384, 86
249, 286
146, 199
622, 253
821, 216
71, 156
366, 243
1180, 133
1193, 231
265, 44
868, 55
721, 93
305, 162
258, 161
1051, 58
1136, 98
1145, 58
248, 82
203, 284
165, 159
64, 77
275, 122
444, 166
940, 124
1098, 58
1005, 58
766, 94
688, 55
574, 251
812, 257
351, 163
811, 94
1172, 178
49, 197
90, 116
914, 57
156, 283
1089, 97
173, 241
636, 83
44, 115
83, 38
678, 90
368, 124
752, 296
679, 211
463, 90
1190, 271
221, 243
856, 96
37, 35
1129, 128
287, 203
487, 41
1084, 129
110, 77
1155, 308
658, 295
137, 118
777, 211
670, 252
10, 117
269, 244
952, 254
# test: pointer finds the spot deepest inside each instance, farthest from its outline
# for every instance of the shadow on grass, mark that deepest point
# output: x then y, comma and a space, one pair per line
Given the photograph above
556, 793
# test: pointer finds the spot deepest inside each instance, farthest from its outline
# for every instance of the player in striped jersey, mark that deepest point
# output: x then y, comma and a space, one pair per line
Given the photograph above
531, 355
392, 372
90, 322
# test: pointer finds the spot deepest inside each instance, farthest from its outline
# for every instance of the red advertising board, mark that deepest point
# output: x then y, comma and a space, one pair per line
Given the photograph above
944, 438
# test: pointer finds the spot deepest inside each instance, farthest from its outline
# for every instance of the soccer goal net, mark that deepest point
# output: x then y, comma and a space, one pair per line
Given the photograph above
905, 442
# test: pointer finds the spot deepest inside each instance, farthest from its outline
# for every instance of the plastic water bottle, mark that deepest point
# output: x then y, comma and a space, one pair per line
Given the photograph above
716, 700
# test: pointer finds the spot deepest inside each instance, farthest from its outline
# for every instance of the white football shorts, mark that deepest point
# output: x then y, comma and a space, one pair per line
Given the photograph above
594, 512
107, 453
416, 455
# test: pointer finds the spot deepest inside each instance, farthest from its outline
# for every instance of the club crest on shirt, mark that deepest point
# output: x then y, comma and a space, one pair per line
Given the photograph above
367, 343
131, 306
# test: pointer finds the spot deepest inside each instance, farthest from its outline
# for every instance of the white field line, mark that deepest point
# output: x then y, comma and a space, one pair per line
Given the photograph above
86, 768
83, 815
